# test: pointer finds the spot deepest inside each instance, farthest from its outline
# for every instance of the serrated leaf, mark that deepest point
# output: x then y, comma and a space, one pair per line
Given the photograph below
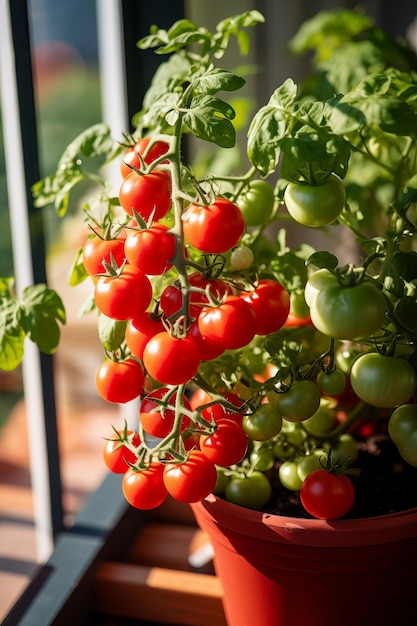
93, 142
12, 341
342, 117
39, 312
391, 114
161, 108
169, 76
183, 40
269, 126
209, 118
323, 259
217, 79
45, 299
314, 156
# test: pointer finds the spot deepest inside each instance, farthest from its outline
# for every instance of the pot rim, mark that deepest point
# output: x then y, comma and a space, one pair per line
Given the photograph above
303, 531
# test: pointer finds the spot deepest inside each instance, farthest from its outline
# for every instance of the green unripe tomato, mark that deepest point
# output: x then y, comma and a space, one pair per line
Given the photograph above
383, 381
284, 450
288, 475
252, 492
262, 459
256, 202
402, 423
241, 258
315, 205
348, 312
320, 423
300, 401
265, 423
331, 383
317, 281
311, 462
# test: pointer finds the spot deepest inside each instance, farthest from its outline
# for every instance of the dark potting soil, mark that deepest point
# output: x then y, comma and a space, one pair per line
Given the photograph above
383, 483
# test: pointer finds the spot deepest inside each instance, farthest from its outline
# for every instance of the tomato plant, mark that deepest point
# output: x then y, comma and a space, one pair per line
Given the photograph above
298, 355
214, 228
327, 496
315, 205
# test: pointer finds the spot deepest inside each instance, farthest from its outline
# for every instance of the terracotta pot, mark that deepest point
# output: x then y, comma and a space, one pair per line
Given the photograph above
286, 571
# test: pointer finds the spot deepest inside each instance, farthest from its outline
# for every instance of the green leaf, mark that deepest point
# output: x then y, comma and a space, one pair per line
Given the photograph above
111, 332
406, 313
342, 117
314, 156
185, 39
39, 312
167, 78
93, 142
232, 26
209, 118
410, 194
160, 109
12, 343
391, 114
216, 79
77, 273
323, 259
181, 34
269, 127
12, 336
328, 30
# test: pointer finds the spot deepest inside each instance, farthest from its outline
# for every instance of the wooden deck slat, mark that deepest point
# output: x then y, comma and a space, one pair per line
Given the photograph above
158, 594
174, 546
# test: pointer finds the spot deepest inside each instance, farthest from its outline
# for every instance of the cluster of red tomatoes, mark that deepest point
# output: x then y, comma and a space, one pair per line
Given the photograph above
195, 318
191, 479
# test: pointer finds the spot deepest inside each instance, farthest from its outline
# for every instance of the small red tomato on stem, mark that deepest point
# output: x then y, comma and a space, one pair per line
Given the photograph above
326, 495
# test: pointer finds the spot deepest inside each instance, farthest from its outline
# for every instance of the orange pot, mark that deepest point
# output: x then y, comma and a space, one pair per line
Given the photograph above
285, 571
